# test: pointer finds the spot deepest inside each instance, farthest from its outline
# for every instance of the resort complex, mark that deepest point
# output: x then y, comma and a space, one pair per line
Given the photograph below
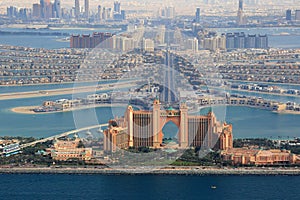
144, 129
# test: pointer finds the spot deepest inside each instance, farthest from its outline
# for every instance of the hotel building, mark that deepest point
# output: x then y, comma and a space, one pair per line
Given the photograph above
144, 129
246, 156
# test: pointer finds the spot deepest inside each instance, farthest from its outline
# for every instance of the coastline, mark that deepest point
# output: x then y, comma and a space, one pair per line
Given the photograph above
64, 91
190, 171
28, 109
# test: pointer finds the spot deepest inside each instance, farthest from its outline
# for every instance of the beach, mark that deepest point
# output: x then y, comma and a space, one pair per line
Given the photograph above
29, 109
75, 90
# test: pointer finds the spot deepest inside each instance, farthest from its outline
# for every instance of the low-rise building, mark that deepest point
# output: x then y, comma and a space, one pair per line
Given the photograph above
250, 156
64, 150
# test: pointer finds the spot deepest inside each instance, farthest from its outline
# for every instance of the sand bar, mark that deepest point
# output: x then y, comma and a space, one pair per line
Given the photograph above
56, 92
29, 109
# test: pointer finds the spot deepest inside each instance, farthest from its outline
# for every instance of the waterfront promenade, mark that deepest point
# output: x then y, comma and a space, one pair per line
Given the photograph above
153, 170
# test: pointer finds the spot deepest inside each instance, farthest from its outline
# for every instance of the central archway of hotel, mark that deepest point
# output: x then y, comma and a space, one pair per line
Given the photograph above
170, 133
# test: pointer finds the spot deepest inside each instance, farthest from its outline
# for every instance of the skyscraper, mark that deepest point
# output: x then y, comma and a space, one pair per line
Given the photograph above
241, 4
198, 15
77, 9
48, 8
42, 2
99, 13
297, 15
123, 14
36, 11
117, 7
240, 15
57, 8
288, 15
86, 8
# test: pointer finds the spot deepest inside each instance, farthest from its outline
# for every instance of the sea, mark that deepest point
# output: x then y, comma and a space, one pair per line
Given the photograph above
168, 187
247, 123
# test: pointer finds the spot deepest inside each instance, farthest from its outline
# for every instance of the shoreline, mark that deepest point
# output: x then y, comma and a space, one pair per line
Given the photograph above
186, 171
28, 109
65, 91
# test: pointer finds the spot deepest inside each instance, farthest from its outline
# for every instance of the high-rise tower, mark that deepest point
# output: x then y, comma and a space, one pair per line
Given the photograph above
240, 15
77, 9
57, 8
197, 15
241, 4
288, 16
117, 7
86, 8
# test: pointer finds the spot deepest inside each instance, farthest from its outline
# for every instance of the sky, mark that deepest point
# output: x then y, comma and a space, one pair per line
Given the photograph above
180, 5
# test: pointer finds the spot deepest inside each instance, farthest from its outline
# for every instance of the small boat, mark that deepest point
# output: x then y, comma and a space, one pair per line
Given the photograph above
213, 187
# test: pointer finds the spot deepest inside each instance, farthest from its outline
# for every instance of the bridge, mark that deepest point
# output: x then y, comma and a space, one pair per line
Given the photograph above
62, 135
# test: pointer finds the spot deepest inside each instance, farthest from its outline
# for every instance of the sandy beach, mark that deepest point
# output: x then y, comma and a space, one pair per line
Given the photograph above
28, 109
56, 92
24, 110
287, 112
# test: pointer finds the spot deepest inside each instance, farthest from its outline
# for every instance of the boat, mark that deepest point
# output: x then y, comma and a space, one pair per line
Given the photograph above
213, 187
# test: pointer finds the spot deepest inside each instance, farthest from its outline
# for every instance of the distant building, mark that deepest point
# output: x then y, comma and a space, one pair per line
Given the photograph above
250, 41
77, 9
193, 44
123, 14
42, 3
261, 42
197, 19
48, 9
242, 41
117, 7
124, 42
148, 45
86, 9
89, 41
99, 13
288, 15
240, 16
241, 2
167, 12
297, 15
57, 9
36, 11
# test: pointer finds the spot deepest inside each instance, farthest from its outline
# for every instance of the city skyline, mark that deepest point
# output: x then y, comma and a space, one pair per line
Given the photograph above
151, 5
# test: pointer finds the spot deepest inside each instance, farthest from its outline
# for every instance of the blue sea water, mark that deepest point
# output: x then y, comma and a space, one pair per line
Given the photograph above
247, 122
53, 42
27, 88
88, 187
276, 40
42, 41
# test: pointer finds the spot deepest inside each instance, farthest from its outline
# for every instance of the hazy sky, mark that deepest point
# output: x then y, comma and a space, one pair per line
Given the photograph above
180, 5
